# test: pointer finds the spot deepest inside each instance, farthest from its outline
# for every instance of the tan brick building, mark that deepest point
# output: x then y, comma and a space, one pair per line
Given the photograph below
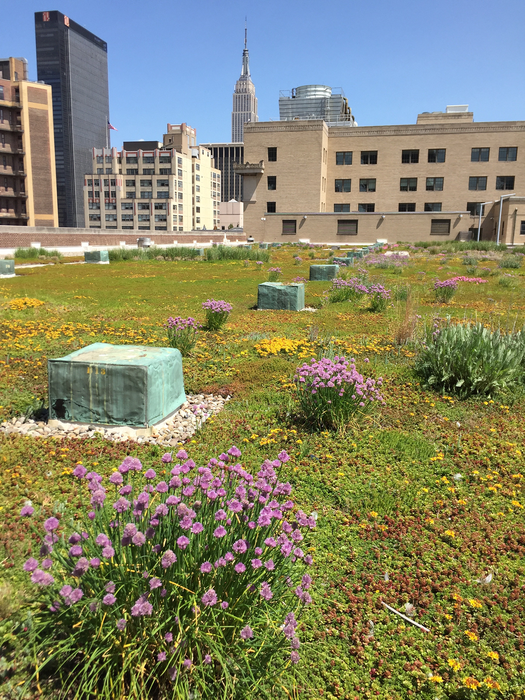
28, 193
306, 180
153, 186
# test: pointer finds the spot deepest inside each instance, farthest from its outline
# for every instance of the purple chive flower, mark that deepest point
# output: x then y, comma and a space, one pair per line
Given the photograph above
269, 565
168, 559
187, 663
139, 539
109, 599
220, 515
116, 478
102, 540
155, 583
110, 587
256, 563
270, 542
166, 458
266, 591
294, 657
46, 564
182, 454
81, 566
108, 552
246, 632
161, 656
172, 673
30, 565
75, 538
306, 581
150, 474
219, 531
229, 557
182, 542
196, 528
207, 659
209, 598
51, 524
142, 607
205, 568
26, 511
240, 567
186, 523
283, 456
234, 452
308, 560
91, 515
121, 624
162, 487
126, 490
168, 637
295, 643
240, 547
121, 505
224, 605
75, 551
94, 563
76, 595
79, 471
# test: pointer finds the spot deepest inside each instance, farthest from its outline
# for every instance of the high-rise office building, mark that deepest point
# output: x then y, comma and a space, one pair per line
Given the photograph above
244, 100
316, 102
225, 156
27, 156
74, 62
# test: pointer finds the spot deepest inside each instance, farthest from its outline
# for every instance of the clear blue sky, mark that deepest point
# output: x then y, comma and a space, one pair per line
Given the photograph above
178, 61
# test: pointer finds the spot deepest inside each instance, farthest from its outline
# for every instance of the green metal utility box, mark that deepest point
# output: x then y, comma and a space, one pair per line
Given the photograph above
322, 273
277, 296
263, 246
101, 257
7, 268
131, 385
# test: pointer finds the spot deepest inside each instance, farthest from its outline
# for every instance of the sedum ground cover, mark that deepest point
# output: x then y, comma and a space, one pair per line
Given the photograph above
420, 504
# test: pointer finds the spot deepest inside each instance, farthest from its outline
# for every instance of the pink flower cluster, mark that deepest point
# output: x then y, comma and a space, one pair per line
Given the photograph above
339, 374
475, 280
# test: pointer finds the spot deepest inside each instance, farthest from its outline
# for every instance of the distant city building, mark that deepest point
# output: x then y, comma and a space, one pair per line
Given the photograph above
74, 62
443, 178
244, 100
28, 195
232, 214
316, 102
225, 156
150, 186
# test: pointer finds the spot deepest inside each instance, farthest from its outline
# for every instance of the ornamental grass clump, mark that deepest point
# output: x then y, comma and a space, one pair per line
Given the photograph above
182, 334
510, 261
330, 392
352, 289
177, 586
217, 313
445, 290
274, 274
467, 359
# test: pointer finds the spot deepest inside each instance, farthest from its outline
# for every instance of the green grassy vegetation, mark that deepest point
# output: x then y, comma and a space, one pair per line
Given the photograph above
420, 503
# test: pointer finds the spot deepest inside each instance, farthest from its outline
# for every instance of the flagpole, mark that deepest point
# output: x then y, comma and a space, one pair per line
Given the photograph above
107, 131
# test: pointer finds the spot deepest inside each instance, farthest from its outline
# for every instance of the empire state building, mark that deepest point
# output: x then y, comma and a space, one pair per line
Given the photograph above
244, 100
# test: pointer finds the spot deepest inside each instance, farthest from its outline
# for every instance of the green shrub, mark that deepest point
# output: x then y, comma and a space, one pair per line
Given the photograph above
444, 291
469, 260
433, 251
217, 313
471, 270
171, 594
402, 293
506, 281
170, 253
468, 358
35, 253
182, 334
510, 261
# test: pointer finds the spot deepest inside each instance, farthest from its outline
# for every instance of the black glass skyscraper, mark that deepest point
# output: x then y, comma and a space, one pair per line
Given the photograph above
75, 63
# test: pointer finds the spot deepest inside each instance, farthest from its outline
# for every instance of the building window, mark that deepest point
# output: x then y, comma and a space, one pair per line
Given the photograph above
434, 184
108, 159
163, 194
130, 159
94, 217
271, 207
368, 157
94, 205
127, 217
132, 171
440, 227
197, 166
197, 178
160, 217
148, 171
508, 153
480, 155
145, 183
477, 183
347, 227
165, 159
366, 207
289, 227
160, 206
130, 195
436, 155
410, 156
474, 208
111, 217
367, 185
100, 171
148, 159
198, 220
179, 161
343, 158
110, 205
198, 210
272, 182
505, 182
100, 159
148, 194
272, 154
406, 206
408, 184
143, 217
141, 206
165, 171
179, 184
432, 206
339, 208
130, 183
343, 185
522, 228
163, 183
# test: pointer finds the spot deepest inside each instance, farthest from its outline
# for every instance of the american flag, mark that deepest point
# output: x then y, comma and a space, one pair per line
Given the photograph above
110, 126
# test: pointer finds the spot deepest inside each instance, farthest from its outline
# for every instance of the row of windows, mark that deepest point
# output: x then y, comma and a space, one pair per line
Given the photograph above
472, 207
349, 227
434, 155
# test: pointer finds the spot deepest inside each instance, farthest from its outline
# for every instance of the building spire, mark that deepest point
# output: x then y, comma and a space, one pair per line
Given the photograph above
245, 72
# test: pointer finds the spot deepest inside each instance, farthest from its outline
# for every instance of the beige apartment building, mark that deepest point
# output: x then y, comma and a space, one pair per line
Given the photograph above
307, 180
28, 192
153, 186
